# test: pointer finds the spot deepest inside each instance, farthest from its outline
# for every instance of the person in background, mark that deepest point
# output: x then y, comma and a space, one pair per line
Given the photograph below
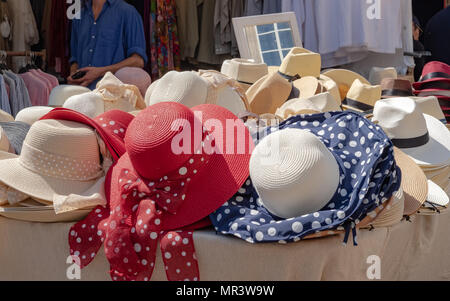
108, 36
418, 46
437, 36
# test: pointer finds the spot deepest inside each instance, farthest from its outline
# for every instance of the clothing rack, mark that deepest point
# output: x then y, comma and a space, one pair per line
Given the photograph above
42, 54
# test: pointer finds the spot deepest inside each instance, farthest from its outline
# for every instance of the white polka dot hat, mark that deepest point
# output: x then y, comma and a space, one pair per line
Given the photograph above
366, 173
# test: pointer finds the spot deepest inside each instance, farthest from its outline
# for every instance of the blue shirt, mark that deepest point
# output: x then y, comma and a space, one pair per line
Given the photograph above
117, 33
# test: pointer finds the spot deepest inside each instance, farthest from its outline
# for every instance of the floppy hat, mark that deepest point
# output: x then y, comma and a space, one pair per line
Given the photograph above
135, 76
5, 146
344, 79
319, 103
396, 88
32, 114
435, 76
245, 72
361, 97
111, 126
420, 136
5, 117
192, 89
162, 191
268, 94
57, 158
16, 132
377, 74
366, 164
300, 62
61, 93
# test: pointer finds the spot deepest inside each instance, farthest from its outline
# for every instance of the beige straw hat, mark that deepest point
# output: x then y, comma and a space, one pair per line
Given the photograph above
246, 72
5, 117
58, 158
5, 146
301, 62
377, 74
32, 114
361, 97
344, 79
61, 93
392, 212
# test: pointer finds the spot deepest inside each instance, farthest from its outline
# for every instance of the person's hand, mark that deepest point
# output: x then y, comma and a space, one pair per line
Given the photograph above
92, 73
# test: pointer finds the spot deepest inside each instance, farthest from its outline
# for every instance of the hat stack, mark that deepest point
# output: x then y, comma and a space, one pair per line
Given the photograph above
424, 138
435, 81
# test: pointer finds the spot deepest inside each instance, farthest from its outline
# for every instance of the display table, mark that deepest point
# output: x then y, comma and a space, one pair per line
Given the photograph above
417, 250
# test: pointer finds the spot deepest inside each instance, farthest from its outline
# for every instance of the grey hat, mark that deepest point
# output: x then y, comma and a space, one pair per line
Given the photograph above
16, 132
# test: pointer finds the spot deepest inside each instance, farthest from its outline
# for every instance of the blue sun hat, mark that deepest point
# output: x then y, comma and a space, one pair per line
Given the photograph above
312, 173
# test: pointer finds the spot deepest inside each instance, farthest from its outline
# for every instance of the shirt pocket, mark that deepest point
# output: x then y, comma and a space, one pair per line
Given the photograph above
109, 37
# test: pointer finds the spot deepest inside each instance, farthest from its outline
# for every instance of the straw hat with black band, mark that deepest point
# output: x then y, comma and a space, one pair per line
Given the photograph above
245, 72
361, 97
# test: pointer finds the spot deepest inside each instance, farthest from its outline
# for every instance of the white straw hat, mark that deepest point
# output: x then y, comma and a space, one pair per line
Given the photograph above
246, 72
377, 74
420, 136
58, 157
298, 175
32, 114
430, 106
90, 104
61, 93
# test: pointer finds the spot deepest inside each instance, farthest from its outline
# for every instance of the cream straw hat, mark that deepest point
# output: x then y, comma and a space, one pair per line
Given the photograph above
344, 79
245, 72
32, 114
61, 93
361, 97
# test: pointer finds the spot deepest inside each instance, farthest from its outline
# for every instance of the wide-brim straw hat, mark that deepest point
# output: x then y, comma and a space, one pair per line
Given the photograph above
344, 79
5, 117
61, 93
32, 114
58, 157
246, 72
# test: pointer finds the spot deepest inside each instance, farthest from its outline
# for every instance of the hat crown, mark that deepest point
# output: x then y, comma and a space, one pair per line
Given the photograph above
150, 135
187, 88
400, 118
299, 176
435, 66
396, 84
364, 93
302, 62
244, 70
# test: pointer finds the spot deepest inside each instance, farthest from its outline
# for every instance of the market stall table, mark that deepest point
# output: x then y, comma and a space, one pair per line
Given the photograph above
416, 250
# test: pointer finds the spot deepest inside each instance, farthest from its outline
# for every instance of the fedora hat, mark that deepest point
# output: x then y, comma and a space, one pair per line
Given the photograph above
171, 191
344, 79
435, 77
195, 88
396, 88
111, 126
378, 74
61, 93
5, 146
420, 136
5, 117
300, 62
16, 132
135, 76
57, 158
361, 97
246, 72
342, 155
319, 103
32, 114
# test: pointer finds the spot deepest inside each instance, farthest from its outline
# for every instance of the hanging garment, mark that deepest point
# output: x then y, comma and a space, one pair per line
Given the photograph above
254, 7
45, 25
5, 106
225, 38
188, 33
20, 98
6, 23
271, 7
58, 31
37, 89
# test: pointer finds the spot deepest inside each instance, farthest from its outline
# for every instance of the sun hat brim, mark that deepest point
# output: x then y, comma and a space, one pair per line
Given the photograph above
15, 175
40, 215
212, 186
436, 195
436, 151
414, 182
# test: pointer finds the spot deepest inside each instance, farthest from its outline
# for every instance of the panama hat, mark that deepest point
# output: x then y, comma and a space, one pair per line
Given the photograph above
5, 146
300, 62
391, 87
420, 136
378, 74
268, 94
61, 93
135, 76
32, 114
245, 72
111, 126
172, 192
58, 157
435, 76
16, 132
281, 167
319, 103
5, 117
344, 79
196, 88
430, 105
361, 97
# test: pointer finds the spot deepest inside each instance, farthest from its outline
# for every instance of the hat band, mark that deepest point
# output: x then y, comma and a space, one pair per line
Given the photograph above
396, 92
435, 85
59, 167
357, 104
245, 83
412, 142
289, 77
434, 75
